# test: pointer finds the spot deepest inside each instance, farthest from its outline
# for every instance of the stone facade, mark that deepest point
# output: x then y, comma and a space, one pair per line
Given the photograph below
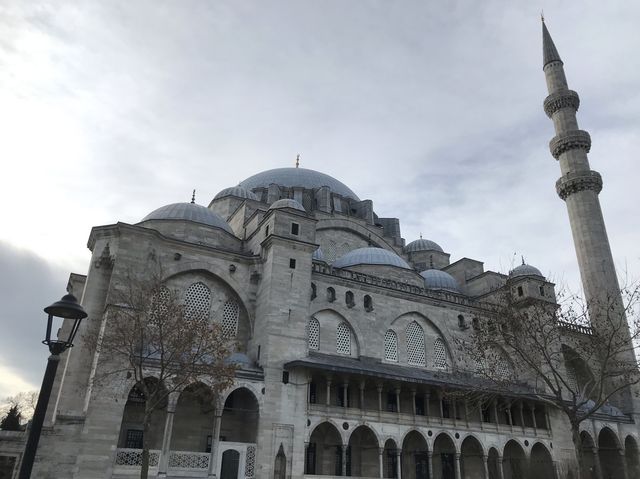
342, 371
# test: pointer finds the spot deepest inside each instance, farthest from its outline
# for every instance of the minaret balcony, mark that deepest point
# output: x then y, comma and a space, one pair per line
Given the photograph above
574, 182
561, 99
570, 140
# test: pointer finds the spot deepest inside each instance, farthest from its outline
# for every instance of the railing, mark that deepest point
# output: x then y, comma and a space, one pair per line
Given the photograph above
186, 460
133, 457
576, 328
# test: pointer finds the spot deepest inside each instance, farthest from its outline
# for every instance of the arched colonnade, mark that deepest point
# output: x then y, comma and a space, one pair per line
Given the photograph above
342, 450
608, 457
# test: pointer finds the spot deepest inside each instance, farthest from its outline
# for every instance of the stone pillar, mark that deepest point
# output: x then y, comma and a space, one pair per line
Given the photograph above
163, 464
379, 389
413, 402
454, 411
430, 462
481, 416
509, 416
596, 462
623, 459
399, 463
344, 459
427, 397
495, 414
466, 412
485, 463
381, 461
398, 400
532, 407
500, 471
521, 407
362, 386
440, 404
215, 442
345, 395
457, 465
328, 399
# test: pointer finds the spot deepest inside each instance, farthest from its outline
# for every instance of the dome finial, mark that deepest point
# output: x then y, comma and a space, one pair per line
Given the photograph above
193, 197
421, 235
522, 256
298, 160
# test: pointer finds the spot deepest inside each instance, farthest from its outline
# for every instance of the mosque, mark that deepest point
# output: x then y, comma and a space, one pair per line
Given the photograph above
345, 337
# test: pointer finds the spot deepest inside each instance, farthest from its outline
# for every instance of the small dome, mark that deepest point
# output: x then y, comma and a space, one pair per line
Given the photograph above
318, 255
240, 359
422, 245
525, 270
189, 212
286, 203
375, 256
302, 177
238, 192
436, 279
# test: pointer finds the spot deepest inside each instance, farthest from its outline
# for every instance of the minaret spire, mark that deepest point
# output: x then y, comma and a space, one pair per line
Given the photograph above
579, 187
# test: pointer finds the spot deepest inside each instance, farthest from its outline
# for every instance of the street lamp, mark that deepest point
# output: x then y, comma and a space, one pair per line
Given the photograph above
66, 308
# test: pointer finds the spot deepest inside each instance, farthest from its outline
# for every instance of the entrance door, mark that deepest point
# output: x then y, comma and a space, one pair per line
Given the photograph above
448, 469
422, 466
230, 464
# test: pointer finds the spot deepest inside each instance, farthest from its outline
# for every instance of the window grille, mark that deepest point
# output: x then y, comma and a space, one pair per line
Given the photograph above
503, 369
230, 314
331, 251
390, 346
415, 344
160, 305
343, 339
439, 354
314, 334
134, 439
197, 302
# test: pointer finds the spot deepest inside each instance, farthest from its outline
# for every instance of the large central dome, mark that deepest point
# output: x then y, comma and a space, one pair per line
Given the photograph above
290, 177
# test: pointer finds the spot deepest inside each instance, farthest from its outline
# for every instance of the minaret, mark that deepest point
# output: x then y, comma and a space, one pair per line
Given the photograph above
579, 187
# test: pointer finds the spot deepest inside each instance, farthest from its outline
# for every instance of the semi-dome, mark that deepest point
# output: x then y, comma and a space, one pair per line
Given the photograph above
239, 359
422, 245
525, 270
189, 212
437, 279
374, 256
302, 177
318, 255
286, 203
237, 191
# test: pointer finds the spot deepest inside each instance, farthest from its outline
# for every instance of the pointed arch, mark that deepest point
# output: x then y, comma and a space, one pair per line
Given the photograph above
280, 466
415, 344
391, 345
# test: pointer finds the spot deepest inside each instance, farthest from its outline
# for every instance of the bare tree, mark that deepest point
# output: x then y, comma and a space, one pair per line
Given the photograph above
559, 357
25, 401
150, 336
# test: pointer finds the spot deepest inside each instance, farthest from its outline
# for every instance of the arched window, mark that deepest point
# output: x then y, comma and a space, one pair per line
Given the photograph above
197, 302
160, 305
331, 294
415, 344
230, 315
314, 334
390, 345
343, 339
368, 303
348, 298
439, 354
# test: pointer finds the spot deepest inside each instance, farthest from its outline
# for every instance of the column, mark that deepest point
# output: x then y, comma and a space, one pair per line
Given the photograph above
345, 394
481, 415
485, 463
623, 458
500, 471
399, 463
509, 416
381, 461
430, 463
547, 421
379, 388
495, 414
457, 465
215, 442
454, 411
328, 399
309, 381
521, 407
344, 460
398, 400
596, 462
413, 402
163, 464
440, 403
466, 412
427, 397
362, 386
532, 407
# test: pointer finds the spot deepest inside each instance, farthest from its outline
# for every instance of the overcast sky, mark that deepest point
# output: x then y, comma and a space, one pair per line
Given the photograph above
433, 110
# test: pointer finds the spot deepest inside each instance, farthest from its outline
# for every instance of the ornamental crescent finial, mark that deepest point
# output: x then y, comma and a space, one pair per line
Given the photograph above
298, 160
193, 197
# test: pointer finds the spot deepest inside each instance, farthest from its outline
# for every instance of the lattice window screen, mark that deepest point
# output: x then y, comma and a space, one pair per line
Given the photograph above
503, 369
331, 251
197, 302
415, 344
390, 346
160, 305
439, 354
314, 334
343, 339
230, 315
250, 462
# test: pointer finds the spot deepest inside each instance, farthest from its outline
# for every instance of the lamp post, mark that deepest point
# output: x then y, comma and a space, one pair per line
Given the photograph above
67, 308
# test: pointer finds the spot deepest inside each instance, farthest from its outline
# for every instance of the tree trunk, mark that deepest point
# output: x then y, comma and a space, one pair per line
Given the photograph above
144, 469
577, 444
